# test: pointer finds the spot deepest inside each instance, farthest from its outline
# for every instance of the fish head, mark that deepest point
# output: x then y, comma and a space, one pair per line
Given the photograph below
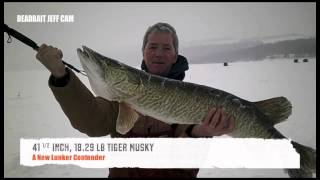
108, 78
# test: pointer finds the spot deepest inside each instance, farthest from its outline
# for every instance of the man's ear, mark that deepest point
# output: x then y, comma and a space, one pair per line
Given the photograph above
176, 58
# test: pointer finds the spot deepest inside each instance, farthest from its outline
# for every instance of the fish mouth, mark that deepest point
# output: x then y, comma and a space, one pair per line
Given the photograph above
86, 52
89, 61
88, 56
92, 65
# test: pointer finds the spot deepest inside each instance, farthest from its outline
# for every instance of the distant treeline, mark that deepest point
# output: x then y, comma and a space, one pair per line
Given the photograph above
242, 51
295, 48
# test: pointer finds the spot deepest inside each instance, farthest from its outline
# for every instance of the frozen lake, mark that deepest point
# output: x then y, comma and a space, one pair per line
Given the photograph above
31, 111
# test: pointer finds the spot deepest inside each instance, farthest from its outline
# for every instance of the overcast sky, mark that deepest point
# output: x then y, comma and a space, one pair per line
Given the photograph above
117, 29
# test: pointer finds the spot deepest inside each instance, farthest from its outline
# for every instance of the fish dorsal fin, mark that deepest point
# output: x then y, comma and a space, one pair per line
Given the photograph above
276, 109
127, 117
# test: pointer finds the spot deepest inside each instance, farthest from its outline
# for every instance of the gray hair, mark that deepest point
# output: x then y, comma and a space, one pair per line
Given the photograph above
162, 27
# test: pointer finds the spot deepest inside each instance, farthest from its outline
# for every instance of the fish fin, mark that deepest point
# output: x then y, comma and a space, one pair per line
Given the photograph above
127, 117
307, 162
276, 109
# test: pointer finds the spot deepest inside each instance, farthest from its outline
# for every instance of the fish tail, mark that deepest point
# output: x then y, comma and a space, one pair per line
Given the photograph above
307, 162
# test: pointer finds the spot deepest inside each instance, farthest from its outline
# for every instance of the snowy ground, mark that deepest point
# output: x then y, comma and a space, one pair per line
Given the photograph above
30, 110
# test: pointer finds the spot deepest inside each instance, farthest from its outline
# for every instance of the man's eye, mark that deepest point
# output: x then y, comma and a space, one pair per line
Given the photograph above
152, 47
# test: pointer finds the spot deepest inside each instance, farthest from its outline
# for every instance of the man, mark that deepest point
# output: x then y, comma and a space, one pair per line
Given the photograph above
96, 116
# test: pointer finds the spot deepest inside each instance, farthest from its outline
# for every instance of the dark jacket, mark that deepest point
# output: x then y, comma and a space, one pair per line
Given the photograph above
96, 117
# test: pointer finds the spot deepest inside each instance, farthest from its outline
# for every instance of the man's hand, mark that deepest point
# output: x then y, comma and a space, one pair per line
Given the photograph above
51, 58
216, 123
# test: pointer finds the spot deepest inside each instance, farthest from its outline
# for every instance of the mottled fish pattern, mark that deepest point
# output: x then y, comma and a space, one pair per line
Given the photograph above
173, 101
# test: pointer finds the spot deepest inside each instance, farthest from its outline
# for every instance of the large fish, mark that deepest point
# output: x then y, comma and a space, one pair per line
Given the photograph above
173, 101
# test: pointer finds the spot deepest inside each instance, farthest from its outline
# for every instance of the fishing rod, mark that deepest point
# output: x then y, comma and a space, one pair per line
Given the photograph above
24, 39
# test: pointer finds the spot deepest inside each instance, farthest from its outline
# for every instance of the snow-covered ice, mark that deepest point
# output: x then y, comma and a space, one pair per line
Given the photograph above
31, 111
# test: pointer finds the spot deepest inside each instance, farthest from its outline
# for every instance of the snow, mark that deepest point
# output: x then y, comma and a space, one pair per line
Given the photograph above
31, 111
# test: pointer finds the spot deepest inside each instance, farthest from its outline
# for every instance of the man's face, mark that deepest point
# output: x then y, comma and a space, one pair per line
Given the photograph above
159, 53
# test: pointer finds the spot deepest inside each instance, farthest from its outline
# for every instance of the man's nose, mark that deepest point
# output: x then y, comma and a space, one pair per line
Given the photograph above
159, 52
